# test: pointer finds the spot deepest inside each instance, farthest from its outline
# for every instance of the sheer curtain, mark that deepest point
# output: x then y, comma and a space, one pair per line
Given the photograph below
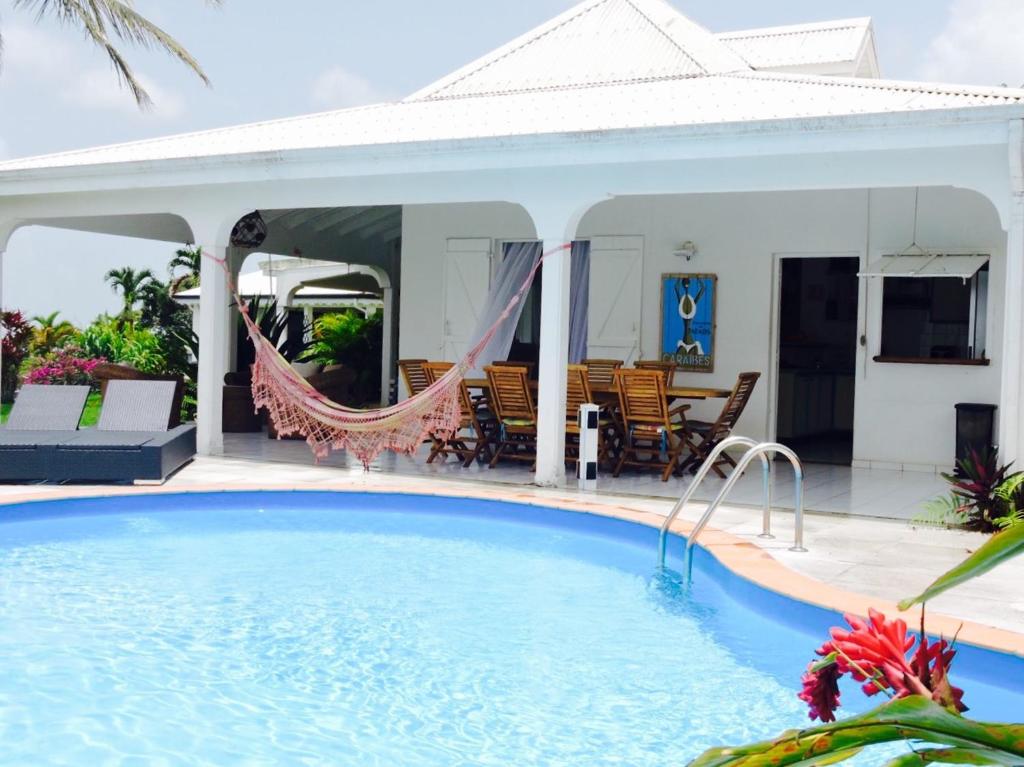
579, 302
520, 258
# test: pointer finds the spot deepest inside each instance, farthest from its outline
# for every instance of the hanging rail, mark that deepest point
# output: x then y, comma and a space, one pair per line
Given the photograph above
761, 450
702, 472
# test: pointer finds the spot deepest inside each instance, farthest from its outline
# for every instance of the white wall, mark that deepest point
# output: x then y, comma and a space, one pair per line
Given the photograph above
904, 413
426, 230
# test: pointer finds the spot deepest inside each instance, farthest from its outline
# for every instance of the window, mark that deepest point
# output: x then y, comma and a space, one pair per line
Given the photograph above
928, 318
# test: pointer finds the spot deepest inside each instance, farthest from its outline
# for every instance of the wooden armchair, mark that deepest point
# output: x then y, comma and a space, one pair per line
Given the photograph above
710, 434
602, 372
577, 392
667, 369
516, 415
477, 421
651, 427
413, 375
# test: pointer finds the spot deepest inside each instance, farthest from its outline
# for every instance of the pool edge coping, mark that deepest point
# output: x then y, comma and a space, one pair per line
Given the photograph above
740, 557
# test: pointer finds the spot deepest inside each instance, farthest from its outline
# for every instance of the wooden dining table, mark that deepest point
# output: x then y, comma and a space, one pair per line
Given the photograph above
608, 391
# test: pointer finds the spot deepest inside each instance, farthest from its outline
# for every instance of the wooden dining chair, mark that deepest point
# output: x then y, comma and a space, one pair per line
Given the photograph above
577, 392
710, 434
667, 369
531, 367
414, 376
516, 437
651, 427
473, 438
602, 372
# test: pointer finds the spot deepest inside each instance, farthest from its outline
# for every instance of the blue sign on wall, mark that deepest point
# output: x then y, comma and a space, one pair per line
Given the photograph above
688, 303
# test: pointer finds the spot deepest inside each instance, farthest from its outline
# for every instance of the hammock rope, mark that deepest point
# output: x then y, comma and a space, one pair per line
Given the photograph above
295, 407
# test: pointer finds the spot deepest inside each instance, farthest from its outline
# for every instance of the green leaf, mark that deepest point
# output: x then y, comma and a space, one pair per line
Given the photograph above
998, 549
944, 756
907, 719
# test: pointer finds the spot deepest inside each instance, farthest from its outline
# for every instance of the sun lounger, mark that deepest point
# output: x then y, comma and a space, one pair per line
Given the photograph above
42, 417
131, 443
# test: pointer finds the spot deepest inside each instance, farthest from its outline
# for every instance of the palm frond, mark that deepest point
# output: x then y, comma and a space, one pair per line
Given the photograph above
102, 20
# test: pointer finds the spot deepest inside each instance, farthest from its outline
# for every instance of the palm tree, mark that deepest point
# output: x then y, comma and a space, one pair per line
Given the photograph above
130, 284
106, 21
190, 258
49, 333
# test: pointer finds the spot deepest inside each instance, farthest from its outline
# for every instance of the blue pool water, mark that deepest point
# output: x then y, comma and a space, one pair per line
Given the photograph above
311, 628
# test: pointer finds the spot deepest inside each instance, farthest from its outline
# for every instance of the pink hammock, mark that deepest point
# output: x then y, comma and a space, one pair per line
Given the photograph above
295, 407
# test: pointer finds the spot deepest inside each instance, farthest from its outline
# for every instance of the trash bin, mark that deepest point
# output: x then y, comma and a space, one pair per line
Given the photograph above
975, 429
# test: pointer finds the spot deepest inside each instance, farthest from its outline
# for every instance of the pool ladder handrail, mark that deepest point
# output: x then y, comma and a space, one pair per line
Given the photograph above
756, 449
702, 472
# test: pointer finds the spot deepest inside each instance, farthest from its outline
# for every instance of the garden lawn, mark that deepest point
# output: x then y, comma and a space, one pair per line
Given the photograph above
89, 417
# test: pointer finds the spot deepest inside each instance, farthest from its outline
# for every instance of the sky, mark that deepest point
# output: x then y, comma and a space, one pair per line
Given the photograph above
272, 59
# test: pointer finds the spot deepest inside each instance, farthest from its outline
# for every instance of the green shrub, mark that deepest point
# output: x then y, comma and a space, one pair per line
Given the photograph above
139, 347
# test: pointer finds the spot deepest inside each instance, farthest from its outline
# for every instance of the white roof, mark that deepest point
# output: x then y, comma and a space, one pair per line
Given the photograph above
603, 65
807, 47
259, 284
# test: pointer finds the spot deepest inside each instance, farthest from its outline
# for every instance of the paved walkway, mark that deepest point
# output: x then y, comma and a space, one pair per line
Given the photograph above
888, 559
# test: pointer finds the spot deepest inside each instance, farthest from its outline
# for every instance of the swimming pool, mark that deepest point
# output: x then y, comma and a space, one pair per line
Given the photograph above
319, 628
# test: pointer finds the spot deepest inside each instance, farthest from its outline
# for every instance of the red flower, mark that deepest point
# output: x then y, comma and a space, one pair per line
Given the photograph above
874, 652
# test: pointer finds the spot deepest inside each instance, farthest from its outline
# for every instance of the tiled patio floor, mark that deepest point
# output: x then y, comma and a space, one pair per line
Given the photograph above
834, 489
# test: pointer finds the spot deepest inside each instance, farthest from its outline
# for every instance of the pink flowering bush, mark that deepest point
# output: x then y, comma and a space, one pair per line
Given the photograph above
65, 366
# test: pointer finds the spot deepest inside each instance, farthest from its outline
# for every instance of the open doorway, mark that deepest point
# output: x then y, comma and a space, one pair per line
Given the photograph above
817, 357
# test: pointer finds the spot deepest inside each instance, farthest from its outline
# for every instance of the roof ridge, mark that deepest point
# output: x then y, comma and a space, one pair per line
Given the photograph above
909, 86
546, 29
572, 87
785, 30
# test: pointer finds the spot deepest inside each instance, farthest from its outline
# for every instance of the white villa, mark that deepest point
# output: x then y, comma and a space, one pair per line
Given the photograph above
867, 235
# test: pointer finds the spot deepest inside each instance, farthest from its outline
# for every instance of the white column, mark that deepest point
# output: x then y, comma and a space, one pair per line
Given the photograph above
1011, 435
214, 349
554, 357
387, 347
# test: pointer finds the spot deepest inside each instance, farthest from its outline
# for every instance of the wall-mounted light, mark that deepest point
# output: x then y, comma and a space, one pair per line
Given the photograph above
687, 250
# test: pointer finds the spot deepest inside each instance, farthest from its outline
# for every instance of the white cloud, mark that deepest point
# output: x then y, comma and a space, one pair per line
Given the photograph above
980, 44
5, 151
34, 55
337, 88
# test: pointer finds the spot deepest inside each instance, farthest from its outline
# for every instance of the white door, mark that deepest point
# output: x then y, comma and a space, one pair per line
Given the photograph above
467, 278
616, 293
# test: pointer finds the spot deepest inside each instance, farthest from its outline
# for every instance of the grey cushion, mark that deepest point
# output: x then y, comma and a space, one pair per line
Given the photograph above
10, 438
48, 408
108, 440
136, 406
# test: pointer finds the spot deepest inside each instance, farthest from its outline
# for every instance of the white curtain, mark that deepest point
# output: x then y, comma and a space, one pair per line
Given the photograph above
519, 260
579, 302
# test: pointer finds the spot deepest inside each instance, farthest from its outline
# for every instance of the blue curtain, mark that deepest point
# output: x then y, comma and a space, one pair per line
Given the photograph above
579, 301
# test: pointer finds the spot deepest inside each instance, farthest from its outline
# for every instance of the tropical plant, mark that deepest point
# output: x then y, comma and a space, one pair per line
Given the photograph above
15, 334
104, 22
925, 709
189, 258
50, 334
128, 345
129, 283
273, 325
172, 324
984, 496
65, 366
352, 340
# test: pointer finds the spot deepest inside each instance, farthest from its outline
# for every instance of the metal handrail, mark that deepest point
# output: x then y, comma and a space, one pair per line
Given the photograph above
798, 491
702, 472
